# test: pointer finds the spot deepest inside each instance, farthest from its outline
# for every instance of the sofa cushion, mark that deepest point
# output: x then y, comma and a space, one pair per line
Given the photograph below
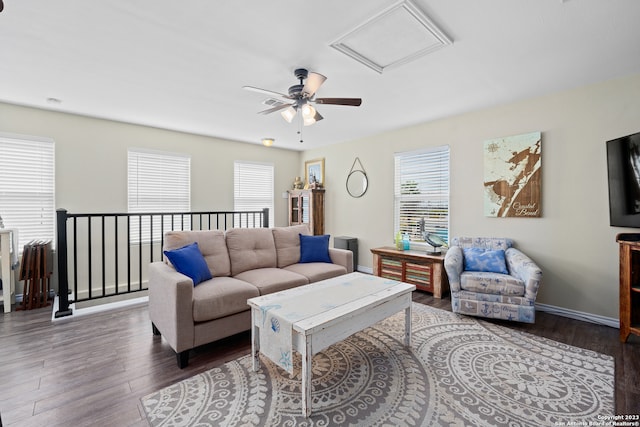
314, 249
250, 248
287, 241
212, 246
269, 280
316, 271
220, 297
189, 261
491, 283
479, 259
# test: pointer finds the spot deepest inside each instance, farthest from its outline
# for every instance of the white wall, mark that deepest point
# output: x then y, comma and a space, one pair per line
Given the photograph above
572, 241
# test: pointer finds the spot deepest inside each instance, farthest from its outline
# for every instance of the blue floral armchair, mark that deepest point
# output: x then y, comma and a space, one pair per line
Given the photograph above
490, 278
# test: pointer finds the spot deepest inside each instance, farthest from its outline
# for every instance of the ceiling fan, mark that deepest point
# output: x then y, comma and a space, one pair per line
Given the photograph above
301, 97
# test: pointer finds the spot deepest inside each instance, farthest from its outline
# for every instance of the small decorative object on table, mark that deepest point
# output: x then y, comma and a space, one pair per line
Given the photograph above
431, 238
406, 243
298, 184
435, 241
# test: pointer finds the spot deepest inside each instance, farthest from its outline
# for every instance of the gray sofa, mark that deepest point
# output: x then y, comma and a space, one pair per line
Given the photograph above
244, 263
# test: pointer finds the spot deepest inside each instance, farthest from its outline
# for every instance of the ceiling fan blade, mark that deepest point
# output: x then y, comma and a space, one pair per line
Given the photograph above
266, 92
356, 102
274, 109
314, 81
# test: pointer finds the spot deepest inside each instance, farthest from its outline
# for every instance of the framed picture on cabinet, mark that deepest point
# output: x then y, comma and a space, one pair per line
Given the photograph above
314, 172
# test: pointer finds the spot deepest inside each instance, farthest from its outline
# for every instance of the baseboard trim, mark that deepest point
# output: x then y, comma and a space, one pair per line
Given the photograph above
559, 311
79, 312
363, 269
579, 315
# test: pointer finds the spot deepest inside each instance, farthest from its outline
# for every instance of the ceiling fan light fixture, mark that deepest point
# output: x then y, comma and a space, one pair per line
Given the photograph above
308, 121
308, 112
288, 114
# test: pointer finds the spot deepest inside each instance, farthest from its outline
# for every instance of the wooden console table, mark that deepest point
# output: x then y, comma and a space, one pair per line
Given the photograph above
415, 267
629, 284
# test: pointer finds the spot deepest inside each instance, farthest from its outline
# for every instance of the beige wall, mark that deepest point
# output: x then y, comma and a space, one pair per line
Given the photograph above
572, 241
91, 168
91, 160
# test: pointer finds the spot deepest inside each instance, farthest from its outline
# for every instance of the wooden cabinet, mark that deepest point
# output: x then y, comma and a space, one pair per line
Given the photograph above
629, 284
307, 207
7, 248
415, 267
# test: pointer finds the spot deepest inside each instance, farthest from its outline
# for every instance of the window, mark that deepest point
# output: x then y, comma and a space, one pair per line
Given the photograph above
158, 182
422, 193
27, 185
252, 190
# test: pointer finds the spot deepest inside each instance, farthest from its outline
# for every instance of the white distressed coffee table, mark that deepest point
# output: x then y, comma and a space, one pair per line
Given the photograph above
313, 317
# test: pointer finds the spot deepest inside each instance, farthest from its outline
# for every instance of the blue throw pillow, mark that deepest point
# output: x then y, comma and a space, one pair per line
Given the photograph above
314, 248
478, 259
189, 261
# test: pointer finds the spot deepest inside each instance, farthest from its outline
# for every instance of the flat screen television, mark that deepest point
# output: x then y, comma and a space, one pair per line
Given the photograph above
623, 166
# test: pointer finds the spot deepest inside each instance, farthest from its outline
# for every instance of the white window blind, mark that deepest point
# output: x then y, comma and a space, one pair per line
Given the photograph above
252, 190
422, 192
27, 186
157, 182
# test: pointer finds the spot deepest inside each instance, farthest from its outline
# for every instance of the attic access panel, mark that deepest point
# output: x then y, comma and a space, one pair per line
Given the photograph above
393, 37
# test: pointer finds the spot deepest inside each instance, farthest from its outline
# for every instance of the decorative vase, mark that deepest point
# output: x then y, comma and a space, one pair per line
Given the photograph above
298, 184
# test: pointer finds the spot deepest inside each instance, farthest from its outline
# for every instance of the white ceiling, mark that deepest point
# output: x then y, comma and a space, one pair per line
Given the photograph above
182, 65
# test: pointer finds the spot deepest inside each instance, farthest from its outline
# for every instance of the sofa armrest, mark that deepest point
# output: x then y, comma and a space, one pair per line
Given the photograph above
342, 257
522, 267
453, 265
171, 305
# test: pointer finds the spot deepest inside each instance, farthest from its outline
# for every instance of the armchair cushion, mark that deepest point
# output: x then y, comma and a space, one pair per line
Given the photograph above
491, 283
479, 259
189, 261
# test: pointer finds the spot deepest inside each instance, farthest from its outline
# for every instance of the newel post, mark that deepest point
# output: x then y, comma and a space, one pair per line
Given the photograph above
265, 217
63, 278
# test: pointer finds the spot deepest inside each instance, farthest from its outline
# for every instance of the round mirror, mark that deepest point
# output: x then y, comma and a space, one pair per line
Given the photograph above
357, 183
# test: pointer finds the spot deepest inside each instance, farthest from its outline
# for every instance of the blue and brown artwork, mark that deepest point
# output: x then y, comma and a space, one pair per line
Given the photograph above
512, 176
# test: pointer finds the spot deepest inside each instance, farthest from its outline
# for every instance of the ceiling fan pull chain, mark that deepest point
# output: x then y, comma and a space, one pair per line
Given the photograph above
300, 128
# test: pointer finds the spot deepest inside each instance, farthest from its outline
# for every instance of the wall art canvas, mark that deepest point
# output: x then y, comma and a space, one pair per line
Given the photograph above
512, 176
314, 171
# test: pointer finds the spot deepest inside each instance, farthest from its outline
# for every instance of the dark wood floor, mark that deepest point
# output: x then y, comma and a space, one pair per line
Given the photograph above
94, 370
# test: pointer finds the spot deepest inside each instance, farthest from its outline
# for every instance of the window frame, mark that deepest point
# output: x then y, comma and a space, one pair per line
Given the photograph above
245, 205
138, 202
434, 187
19, 172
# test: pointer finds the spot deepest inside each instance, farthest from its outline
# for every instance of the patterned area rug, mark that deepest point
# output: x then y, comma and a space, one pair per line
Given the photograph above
460, 371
